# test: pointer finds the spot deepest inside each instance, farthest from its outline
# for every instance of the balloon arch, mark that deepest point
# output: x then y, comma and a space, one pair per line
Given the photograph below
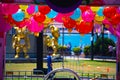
36, 18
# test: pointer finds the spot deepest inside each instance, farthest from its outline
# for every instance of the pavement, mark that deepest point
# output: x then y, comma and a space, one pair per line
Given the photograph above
81, 58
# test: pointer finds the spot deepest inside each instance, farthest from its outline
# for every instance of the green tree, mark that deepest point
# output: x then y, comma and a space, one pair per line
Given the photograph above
98, 46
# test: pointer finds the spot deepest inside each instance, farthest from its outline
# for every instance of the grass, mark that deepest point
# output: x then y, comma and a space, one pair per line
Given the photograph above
86, 66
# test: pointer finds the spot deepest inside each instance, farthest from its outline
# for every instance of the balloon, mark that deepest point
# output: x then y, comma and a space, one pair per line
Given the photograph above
52, 14
95, 9
44, 9
118, 10
4, 26
109, 11
107, 23
18, 16
9, 8
34, 26
36, 8
60, 17
27, 16
115, 31
39, 17
47, 20
99, 18
69, 23
84, 8
78, 20
31, 9
76, 14
23, 7
84, 27
100, 11
115, 19
88, 16
21, 24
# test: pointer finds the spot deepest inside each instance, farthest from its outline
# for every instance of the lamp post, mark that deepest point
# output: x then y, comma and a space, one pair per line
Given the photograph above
39, 54
92, 44
103, 39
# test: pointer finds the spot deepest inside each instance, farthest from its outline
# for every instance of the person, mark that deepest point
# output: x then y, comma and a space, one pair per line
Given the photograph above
49, 62
69, 47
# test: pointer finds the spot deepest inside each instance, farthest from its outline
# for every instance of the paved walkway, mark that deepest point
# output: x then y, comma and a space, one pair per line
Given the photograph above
80, 58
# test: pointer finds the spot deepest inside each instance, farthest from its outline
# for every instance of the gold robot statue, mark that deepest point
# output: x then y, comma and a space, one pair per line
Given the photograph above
54, 41
21, 42
55, 31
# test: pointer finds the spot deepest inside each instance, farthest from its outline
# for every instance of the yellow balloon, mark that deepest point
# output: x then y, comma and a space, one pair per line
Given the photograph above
79, 19
95, 8
99, 18
27, 15
23, 7
47, 20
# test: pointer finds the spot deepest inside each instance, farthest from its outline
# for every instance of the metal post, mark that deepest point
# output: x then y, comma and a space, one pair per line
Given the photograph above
103, 40
92, 46
39, 43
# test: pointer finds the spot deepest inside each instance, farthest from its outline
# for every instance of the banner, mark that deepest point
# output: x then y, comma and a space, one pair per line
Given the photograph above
84, 2
24, 1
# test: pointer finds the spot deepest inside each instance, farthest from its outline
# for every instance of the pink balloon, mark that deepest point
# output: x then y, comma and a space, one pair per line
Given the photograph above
88, 16
60, 16
9, 8
111, 1
115, 31
118, 10
4, 26
118, 30
31, 9
106, 22
34, 26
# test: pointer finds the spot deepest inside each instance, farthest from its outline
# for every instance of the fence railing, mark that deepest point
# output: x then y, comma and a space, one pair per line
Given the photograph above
29, 75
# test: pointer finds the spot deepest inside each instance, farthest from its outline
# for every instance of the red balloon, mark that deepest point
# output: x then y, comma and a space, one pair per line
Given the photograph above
21, 24
84, 27
109, 11
84, 8
10, 20
115, 19
44, 9
68, 22
39, 17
